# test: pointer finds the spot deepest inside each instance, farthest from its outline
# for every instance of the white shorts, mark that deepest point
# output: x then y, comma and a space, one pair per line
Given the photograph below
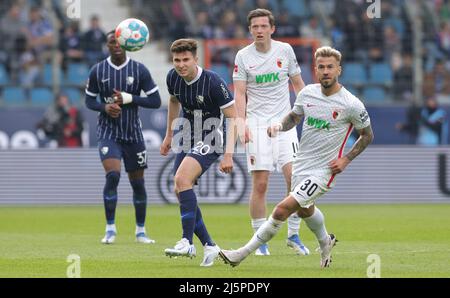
269, 154
307, 189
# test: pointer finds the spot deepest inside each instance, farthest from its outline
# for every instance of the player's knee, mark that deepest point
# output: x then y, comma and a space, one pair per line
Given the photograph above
112, 179
305, 212
138, 186
280, 212
182, 183
260, 187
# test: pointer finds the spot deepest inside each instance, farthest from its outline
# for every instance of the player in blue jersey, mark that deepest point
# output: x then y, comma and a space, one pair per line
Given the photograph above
204, 98
118, 81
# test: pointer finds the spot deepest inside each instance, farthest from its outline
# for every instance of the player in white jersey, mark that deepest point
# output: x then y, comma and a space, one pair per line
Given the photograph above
261, 86
330, 113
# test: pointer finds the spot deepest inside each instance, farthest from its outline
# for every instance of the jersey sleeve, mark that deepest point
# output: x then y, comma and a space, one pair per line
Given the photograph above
147, 84
358, 115
298, 104
239, 73
169, 82
220, 93
92, 84
294, 68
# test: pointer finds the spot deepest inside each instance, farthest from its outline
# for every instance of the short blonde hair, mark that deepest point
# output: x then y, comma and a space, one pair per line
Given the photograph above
328, 52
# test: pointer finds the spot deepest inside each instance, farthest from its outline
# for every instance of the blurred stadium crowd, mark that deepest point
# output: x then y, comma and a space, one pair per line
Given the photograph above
379, 53
30, 42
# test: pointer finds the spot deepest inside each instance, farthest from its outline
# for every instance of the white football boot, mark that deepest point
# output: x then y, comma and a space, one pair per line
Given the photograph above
297, 245
233, 257
143, 238
210, 253
325, 251
181, 249
263, 250
109, 238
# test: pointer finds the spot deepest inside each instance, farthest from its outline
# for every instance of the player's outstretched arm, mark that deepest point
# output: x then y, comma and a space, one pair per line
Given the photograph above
365, 138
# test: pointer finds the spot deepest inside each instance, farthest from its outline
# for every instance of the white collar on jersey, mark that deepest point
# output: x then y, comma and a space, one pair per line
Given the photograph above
199, 73
115, 66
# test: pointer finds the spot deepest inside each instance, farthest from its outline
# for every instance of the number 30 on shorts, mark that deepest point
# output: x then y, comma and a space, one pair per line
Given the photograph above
307, 188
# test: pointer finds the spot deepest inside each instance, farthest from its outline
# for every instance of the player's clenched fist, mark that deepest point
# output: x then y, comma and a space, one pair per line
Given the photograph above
113, 110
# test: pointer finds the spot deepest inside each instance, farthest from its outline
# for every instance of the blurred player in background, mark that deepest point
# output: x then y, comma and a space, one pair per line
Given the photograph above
330, 113
203, 96
433, 124
119, 82
261, 87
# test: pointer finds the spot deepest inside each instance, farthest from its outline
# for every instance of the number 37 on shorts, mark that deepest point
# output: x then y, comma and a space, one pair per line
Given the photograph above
307, 189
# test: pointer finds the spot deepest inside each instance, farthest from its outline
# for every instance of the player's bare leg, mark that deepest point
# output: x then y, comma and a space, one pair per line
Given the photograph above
293, 238
140, 205
112, 170
260, 180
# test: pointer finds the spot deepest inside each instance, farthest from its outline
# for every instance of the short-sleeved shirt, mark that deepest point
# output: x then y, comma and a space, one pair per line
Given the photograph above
201, 100
328, 122
267, 77
131, 77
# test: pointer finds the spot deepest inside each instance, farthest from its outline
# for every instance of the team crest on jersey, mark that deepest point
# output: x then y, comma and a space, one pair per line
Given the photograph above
200, 98
130, 80
279, 63
236, 68
252, 160
336, 113
104, 150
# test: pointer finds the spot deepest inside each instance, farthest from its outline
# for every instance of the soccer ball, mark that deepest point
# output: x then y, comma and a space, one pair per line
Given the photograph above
132, 34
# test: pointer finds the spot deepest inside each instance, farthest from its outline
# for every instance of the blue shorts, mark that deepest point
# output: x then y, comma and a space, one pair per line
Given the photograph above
205, 160
134, 154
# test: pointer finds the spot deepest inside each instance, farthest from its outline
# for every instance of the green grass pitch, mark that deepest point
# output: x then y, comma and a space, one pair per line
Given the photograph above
411, 240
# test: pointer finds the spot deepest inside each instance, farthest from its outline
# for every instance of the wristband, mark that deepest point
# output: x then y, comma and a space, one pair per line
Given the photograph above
126, 98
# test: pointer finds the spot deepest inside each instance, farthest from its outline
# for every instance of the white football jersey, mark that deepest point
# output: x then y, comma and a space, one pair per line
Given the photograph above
328, 122
267, 76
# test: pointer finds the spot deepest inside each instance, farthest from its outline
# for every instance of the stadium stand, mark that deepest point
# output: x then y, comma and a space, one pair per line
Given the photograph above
374, 50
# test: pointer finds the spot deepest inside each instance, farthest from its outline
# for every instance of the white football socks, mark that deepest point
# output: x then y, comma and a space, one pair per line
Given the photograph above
293, 224
257, 223
266, 232
316, 223
111, 228
140, 230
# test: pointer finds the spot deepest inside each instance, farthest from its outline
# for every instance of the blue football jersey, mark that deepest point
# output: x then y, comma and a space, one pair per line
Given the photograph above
131, 77
201, 100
